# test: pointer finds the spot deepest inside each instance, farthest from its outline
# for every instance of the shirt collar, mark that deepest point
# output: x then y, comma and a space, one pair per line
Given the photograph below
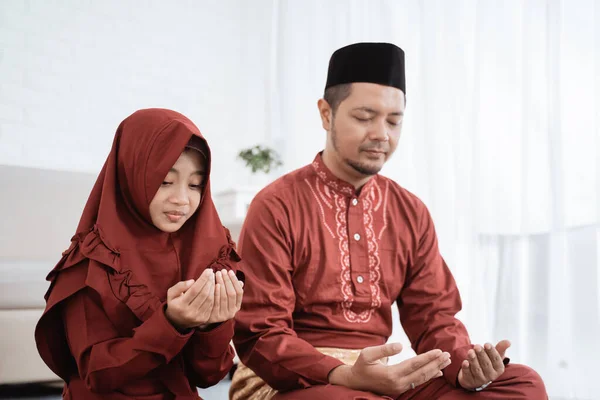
333, 181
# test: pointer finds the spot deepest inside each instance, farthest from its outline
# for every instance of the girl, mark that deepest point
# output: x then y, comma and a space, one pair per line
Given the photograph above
141, 304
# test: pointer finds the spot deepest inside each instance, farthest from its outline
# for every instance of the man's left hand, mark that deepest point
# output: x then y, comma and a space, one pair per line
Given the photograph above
483, 365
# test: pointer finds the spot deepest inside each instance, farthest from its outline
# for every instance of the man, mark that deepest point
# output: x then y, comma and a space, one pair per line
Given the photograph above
330, 247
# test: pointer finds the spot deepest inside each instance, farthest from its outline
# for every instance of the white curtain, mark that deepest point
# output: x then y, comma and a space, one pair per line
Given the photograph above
501, 141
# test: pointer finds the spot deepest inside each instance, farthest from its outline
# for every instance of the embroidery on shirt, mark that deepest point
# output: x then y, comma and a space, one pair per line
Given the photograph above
372, 200
324, 193
373, 246
341, 219
330, 182
385, 199
314, 192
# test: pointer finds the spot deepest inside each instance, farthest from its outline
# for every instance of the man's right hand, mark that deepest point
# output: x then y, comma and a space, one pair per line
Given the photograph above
369, 374
189, 303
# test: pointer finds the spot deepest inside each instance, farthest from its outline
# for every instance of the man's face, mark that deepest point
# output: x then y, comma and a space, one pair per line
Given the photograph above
365, 129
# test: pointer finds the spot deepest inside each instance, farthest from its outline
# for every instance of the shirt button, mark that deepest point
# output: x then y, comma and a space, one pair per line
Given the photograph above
354, 202
359, 279
356, 237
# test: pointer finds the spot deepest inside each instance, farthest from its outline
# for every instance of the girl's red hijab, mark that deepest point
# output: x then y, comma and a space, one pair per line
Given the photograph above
117, 251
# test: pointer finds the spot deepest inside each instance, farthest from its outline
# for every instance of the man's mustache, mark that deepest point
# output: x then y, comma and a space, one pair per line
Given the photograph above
375, 147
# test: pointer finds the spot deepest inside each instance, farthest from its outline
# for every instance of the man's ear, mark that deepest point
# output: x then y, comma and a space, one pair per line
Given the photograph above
326, 114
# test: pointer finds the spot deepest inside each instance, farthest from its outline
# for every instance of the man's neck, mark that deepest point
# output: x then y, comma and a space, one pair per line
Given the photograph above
343, 171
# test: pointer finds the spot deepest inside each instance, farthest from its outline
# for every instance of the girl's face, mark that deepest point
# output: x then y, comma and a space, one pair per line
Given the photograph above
179, 195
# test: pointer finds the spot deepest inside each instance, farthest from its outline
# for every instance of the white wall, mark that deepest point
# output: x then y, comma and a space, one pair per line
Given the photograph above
70, 71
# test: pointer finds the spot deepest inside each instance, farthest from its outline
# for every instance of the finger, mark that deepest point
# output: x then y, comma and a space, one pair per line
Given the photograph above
237, 284
204, 299
177, 289
190, 295
373, 354
485, 363
429, 362
224, 300
418, 362
494, 357
465, 367
206, 277
230, 289
239, 290
501, 347
428, 371
235, 293
476, 370
217, 303
220, 278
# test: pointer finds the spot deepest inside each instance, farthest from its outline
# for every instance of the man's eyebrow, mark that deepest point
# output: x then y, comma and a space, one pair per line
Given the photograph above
366, 109
371, 111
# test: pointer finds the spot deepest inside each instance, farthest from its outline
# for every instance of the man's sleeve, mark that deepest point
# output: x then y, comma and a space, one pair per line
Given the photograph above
430, 300
264, 335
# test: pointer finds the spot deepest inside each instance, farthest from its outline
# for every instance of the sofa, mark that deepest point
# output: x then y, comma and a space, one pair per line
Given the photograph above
41, 209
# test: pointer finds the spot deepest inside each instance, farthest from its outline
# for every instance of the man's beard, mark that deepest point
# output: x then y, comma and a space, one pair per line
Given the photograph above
361, 168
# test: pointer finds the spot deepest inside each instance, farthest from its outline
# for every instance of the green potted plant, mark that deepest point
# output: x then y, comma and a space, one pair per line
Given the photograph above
233, 203
260, 159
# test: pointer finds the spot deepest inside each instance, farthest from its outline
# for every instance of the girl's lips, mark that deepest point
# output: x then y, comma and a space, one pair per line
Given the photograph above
174, 217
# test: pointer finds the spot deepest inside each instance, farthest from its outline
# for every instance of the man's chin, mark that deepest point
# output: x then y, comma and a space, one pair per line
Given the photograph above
366, 169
